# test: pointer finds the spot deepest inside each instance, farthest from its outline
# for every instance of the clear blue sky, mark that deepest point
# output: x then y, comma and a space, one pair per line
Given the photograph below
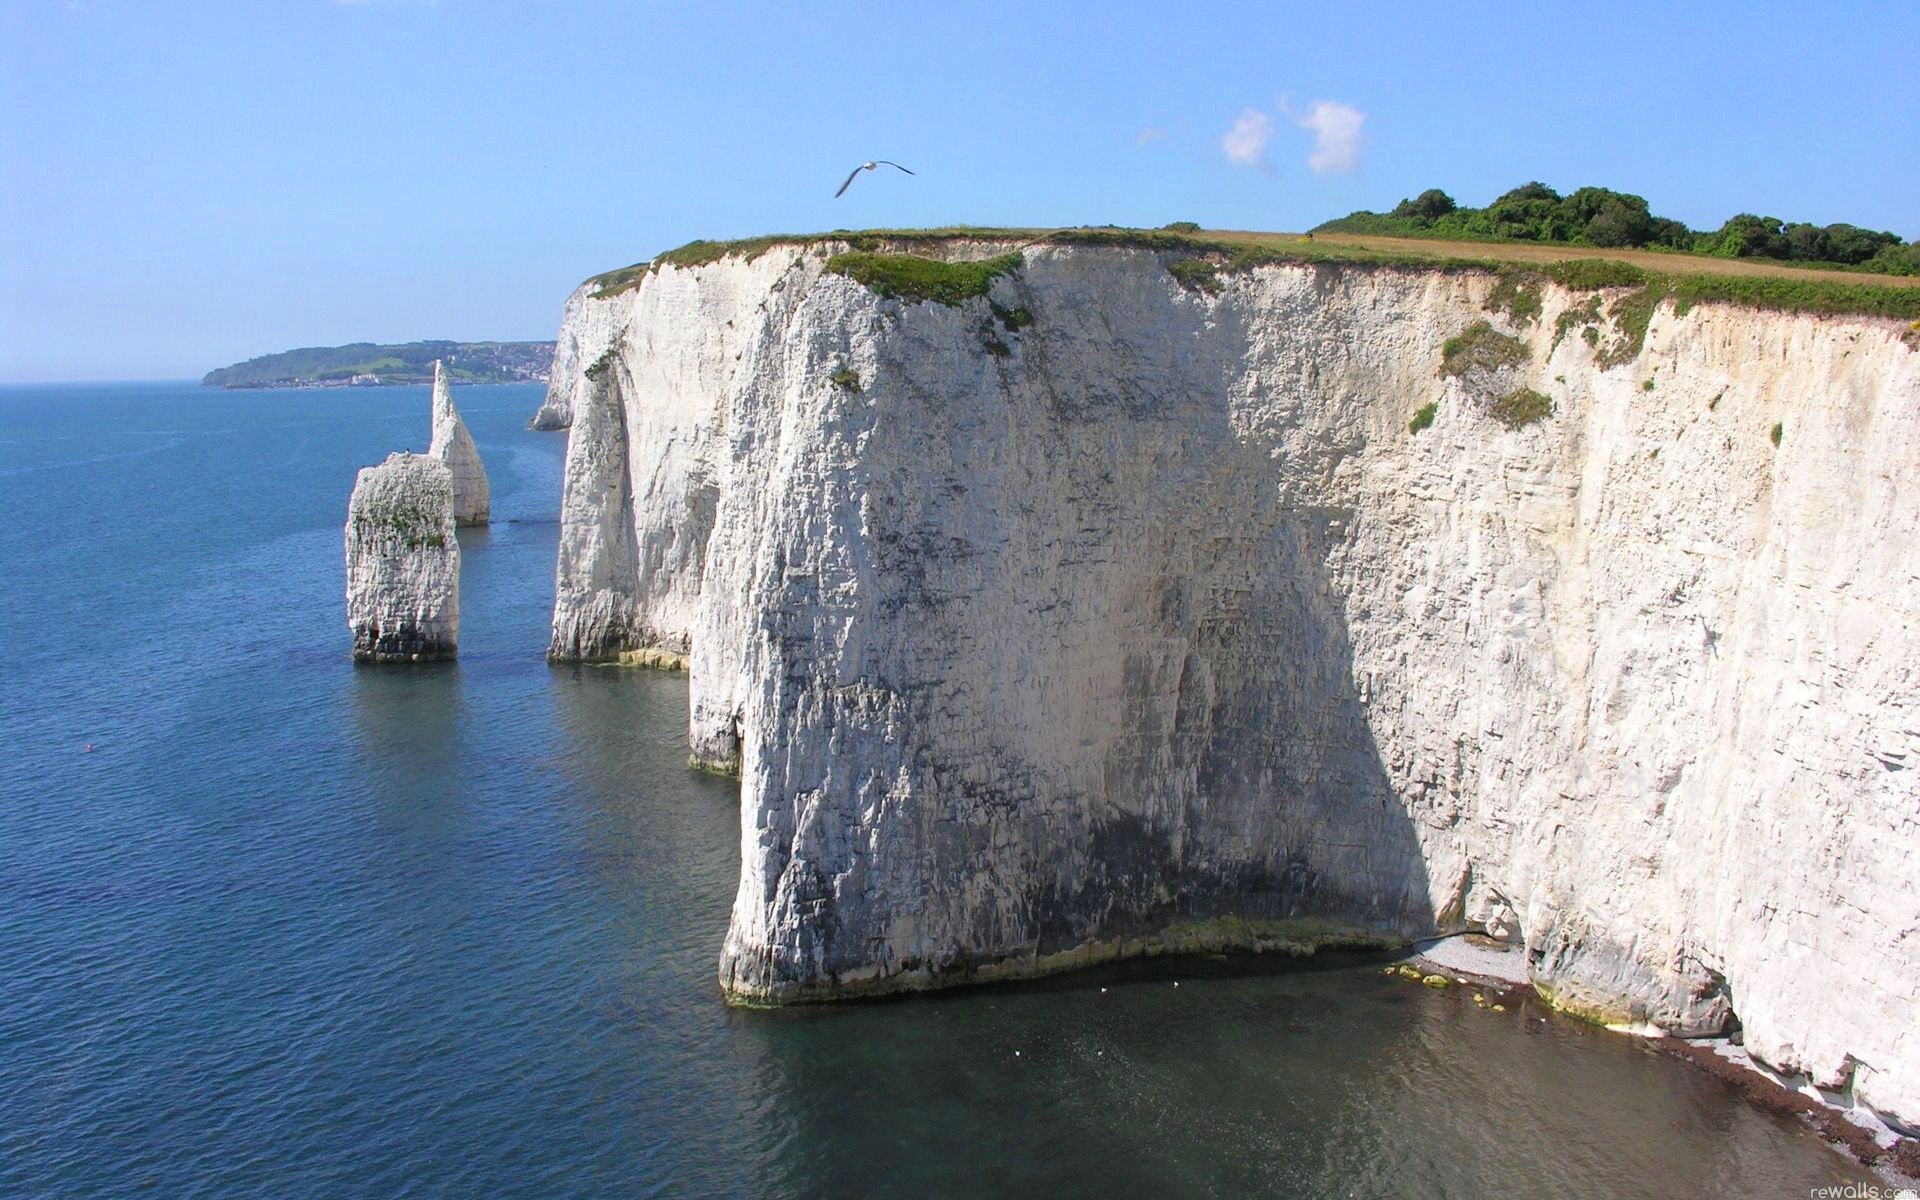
186, 184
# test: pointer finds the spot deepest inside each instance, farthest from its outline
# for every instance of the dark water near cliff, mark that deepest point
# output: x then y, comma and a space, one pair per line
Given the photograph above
298, 929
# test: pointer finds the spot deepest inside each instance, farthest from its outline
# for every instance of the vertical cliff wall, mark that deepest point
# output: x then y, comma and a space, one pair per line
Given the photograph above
1150, 624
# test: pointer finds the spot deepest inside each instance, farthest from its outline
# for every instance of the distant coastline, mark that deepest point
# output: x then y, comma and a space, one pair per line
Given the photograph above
370, 364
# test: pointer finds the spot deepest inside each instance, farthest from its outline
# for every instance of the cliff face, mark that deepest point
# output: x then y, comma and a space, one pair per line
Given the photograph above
580, 323
403, 562
1150, 625
453, 445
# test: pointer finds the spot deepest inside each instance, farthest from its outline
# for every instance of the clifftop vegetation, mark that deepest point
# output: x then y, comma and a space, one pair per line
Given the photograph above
1607, 219
1204, 262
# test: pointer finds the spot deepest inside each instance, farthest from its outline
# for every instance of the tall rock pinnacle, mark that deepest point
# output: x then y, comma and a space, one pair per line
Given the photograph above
453, 445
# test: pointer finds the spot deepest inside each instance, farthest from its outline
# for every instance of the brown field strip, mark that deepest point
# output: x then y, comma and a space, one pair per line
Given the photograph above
1651, 260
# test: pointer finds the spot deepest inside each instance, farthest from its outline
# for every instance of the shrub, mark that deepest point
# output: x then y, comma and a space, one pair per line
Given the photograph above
1479, 347
1584, 317
600, 366
1196, 275
912, 278
1182, 226
1422, 417
1013, 320
1520, 408
1779, 431
846, 379
1518, 295
1646, 385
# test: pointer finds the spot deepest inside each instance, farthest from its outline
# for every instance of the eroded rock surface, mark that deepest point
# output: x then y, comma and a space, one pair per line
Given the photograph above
403, 562
453, 445
1150, 625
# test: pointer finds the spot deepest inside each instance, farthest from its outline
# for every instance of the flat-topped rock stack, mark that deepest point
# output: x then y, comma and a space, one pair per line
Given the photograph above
453, 445
403, 562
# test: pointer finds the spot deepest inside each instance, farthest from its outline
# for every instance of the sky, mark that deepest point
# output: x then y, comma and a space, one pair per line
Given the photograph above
183, 185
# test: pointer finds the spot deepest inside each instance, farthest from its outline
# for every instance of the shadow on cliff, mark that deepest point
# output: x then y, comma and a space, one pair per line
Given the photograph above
1282, 814
1264, 798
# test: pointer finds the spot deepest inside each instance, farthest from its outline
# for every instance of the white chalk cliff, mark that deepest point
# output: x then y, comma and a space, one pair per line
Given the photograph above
453, 445
567, 372
403, 562
1150, 625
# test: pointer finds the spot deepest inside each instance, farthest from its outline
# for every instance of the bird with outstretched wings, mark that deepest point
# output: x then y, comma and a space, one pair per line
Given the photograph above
878, 162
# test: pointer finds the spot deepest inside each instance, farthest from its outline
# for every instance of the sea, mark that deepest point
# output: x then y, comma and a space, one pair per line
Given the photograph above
276, 925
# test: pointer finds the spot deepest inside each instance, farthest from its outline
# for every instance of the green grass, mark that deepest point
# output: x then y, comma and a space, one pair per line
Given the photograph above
1422, 417
1797, 295
1480, 347
1520, 408
1592, 274
912, 278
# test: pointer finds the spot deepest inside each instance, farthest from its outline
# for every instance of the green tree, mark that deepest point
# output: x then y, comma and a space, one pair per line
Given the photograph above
1852, 244
1427, 207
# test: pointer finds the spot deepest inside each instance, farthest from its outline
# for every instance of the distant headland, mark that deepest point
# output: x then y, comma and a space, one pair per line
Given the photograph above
366, 364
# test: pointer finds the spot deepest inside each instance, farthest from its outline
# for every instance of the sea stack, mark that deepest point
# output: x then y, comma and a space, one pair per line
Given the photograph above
453, 445
403, 562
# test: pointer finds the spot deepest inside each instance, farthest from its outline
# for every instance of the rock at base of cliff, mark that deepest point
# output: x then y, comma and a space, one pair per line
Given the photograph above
553, 415
453, 445
403, 562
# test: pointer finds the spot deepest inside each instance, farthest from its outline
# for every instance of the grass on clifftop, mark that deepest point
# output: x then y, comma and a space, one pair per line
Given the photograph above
1205, 258
912, 278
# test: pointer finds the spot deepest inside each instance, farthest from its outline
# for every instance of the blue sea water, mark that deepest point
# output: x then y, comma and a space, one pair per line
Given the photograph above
291, 927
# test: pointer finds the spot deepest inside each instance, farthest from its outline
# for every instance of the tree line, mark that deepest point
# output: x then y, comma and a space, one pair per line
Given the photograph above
1592, 216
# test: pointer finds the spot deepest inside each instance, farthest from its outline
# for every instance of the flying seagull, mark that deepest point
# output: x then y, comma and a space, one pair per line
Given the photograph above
866, 167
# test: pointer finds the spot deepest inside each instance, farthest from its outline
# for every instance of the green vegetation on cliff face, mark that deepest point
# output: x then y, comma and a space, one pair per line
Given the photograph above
1480, 347
370, 364
1600, 217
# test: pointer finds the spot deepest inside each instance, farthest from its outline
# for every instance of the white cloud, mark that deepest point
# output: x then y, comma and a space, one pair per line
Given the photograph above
1149, 134
1246, 142
1339, 136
